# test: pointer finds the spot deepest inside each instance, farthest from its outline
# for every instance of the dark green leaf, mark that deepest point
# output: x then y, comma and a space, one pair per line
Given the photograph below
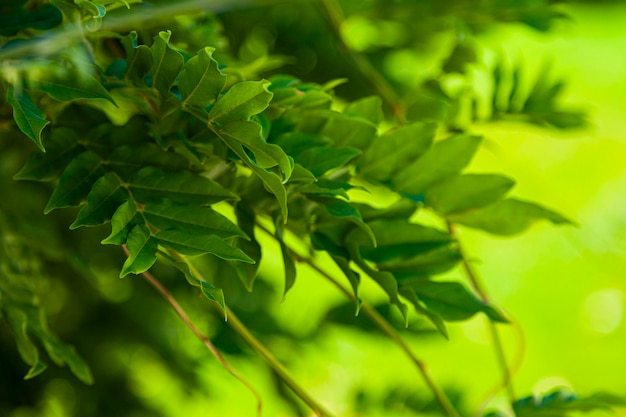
105, 197
68, 85
353, 277
139, 57
76, 181
395, 150
443, 160
191, 244
452, 301
349, 132
201, 81
290, 265
507, 217
243, 100
214, 294
30, 120
344, 210
62, 146
122, 222
434, 318
468, 191
190, 219
152, 184
166, 63
562, 403
323, 158
246, 220
417, 268
142, 248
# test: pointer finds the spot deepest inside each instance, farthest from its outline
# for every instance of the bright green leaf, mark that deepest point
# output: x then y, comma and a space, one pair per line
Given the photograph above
395, 150
507, 217
468, 191
30, 120
443, 160
370, 108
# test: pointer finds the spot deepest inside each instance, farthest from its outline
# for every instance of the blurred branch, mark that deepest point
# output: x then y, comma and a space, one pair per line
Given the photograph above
334, 16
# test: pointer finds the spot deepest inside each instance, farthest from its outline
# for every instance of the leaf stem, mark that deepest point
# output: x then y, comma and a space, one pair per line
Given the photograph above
204, 339
507, 382
385, 327
334, 16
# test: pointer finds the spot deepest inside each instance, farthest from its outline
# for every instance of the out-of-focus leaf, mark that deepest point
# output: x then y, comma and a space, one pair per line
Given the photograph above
28, 117
369, 108
138, 57
452, 301
507, 217
443, 160
68, 85
468, 191
246, 220
562, 403
434, 318
395, 150
61, 148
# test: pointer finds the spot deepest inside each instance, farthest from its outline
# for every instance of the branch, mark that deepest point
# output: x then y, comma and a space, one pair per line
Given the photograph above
495, 334
207, 342
385, 327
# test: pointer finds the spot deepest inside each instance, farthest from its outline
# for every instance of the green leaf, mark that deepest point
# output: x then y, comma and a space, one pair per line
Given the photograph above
190, 219
369, 108
395, 150
349, 132
468, 191
29, 119
102, 201
243, 100
62, 147
507, 217
200, 82
152, 184
290, 265
122, 222
246, 219
266, 155
138, 57
214, 294
353, 278
142, 248
434, 318
166, 63
271, 180
323, 158
344, 210
452, 301
417, 268
443, 160
397, 239
76, 181
562, 403
191, 244
68, 85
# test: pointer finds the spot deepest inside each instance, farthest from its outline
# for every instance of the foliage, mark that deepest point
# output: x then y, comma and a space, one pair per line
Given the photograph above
195, 153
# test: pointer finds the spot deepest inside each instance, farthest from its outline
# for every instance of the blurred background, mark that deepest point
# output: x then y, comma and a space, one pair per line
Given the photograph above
468, 65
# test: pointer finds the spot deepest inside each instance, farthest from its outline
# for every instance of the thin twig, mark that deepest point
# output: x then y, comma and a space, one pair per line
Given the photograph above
332, 11
204, 339
385, 327
507, 382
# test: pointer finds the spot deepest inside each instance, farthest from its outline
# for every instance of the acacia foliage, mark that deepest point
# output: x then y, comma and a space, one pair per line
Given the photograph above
187, 157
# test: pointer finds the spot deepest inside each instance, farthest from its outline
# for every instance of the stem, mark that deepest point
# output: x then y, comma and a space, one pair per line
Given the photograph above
507, 382
332, 11
385, 327
204, 339
278, 367
265, 353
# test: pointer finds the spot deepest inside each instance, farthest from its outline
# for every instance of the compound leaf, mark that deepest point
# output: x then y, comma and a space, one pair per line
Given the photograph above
142, 248
166, 63
243, 100
138, 57
201, 81
121, 223
104, 198
188, 244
